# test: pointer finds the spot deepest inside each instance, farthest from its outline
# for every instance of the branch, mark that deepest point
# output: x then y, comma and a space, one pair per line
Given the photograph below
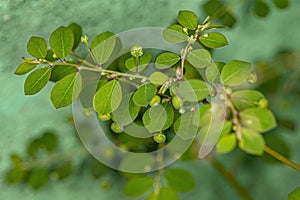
231, 179
281, 158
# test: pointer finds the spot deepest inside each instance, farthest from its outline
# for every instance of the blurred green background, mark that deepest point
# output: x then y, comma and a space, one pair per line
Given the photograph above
22, 118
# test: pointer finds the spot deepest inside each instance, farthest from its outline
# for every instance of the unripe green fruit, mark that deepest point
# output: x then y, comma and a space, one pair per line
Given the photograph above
159, 138
234, 128
116, 128
263, 103
155, 100
176, 102
104, 117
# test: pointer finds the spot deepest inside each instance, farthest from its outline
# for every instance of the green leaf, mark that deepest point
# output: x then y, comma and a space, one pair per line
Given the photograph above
261, 8
60, 71
226, 144
108, 97
159, 117
15, 175
66, 90
175, 34
33, 147
64, 170
61, 41
212, 7
102, 46
244, 99
166, 60
37, 80
38, 178
281, 4
199, 58
228, 19
138, 186
212, 73
192, 90
188, 19
77, 32
48, 141
180, 180
295, 194
144, 61
50, 55
144, 94
137, 163
213, 40
251, 142
158, 78
235, 72
258, 119
167, 193
96, 168
25, 68
184, 125
37, 47
127, 111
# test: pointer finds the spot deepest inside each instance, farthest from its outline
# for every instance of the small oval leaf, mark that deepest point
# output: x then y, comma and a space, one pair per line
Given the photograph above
66, 90
143, 95
251, 142
188, 19
108, 97
158, 78
192, 90
226, 144
175, 34
199, 58
138, 186
235, 72
166, 60
37, 47
61, 41
213, 40
25, 68
258, 119
180, 180
37, 80
77, 32
102, 46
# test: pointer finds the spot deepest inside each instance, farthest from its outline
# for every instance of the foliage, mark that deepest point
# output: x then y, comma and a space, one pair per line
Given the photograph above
223, 11
164, 104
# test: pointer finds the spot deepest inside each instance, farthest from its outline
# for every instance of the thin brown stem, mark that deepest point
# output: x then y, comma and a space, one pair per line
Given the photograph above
231, 179
281, 158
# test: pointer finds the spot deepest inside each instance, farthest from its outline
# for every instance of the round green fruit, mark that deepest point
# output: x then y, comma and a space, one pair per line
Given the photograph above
159, 138
155, 100
116, 128
104, 117
176, 102
263, 103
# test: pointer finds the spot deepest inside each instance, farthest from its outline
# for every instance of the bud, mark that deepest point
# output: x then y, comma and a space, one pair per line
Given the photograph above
185, 30
252, 78
85, 39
